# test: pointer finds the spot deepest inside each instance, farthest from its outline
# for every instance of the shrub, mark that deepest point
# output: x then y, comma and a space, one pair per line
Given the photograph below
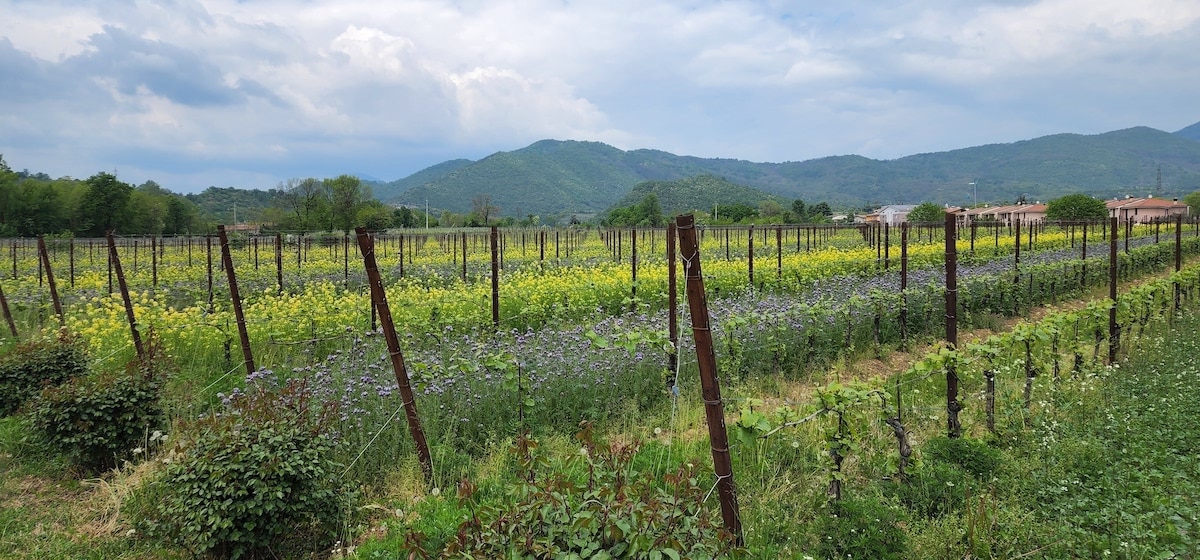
861, 528
253, 481
34, 365
97, 419
931, 490
608, 511
974, 456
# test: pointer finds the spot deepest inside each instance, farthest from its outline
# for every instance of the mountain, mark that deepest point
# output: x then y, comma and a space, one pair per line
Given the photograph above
696, 193
548, 177
225, 205
392, 190
1191, 132
553, 177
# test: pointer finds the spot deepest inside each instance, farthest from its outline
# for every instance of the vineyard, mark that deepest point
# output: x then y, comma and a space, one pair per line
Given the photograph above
536, 393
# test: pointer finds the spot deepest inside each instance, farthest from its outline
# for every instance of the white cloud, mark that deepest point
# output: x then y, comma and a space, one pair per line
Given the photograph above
278, 88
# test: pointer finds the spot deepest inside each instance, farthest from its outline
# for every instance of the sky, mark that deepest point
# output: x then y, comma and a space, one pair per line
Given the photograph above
250, 93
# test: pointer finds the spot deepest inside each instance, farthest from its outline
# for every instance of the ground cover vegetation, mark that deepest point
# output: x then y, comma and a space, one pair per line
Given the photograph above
567, 415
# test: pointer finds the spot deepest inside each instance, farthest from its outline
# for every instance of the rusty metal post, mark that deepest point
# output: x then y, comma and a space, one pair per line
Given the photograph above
45, 256
887, 247
953, 427
495, 247
71, 259
464, 257
208, 252
116, 265
236, 299
154, 261
903, 285
633, 265
8, 318
710, 383
672, 306
750, 253
1083, 258
1178, 254
779, 256
279, 262
1114, 335
379, 297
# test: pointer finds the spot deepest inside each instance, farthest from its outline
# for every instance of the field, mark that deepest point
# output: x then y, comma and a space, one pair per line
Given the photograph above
563, 414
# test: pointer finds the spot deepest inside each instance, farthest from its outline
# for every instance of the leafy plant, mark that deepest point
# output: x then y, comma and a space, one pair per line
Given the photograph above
253, 481
616, 512
97, 419
973, 456
861, 528
34, 365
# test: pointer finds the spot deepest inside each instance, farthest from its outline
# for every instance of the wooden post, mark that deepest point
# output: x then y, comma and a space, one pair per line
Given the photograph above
706, 359
8, 318
379, 298
236, 299
672, 308
1114, 335
750, 253
953, 427
279, 262
903, 286
779, 256
495, 247
208, 252
116, 265
154, 261
45, 257
633, 265
1178, 254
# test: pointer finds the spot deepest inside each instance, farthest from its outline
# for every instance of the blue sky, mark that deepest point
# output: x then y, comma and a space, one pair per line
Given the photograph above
198, 93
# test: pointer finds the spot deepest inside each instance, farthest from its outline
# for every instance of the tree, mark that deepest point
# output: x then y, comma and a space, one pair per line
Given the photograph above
650, 212
798, 209
482, 208
306, 203
1193, 200
104, 205
821, 209
374, 216
927, 212
180, 216
404, 217
1077, 206
769, 209
346, 196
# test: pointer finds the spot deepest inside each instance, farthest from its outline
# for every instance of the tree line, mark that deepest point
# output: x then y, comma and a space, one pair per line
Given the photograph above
648, 213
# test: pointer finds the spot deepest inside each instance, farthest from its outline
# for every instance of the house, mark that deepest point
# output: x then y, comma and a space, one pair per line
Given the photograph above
1009, 214
1144, 210
251, 229
892, 215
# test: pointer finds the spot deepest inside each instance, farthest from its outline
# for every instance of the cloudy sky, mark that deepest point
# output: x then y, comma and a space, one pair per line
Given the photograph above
193, 93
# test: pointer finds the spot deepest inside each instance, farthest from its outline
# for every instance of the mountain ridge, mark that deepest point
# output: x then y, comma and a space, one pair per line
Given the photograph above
554, 178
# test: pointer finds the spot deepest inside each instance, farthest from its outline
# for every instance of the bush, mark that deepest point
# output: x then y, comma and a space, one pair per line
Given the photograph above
97, 419
32, 366
608, 510
931, 490
861, 528
253, 481
973, 456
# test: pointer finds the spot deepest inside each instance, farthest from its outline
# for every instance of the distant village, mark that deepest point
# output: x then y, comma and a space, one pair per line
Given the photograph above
1138, 210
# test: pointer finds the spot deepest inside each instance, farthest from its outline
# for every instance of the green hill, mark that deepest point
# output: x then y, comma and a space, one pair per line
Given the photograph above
390, 191
553, 177
696, 193
1191, 132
